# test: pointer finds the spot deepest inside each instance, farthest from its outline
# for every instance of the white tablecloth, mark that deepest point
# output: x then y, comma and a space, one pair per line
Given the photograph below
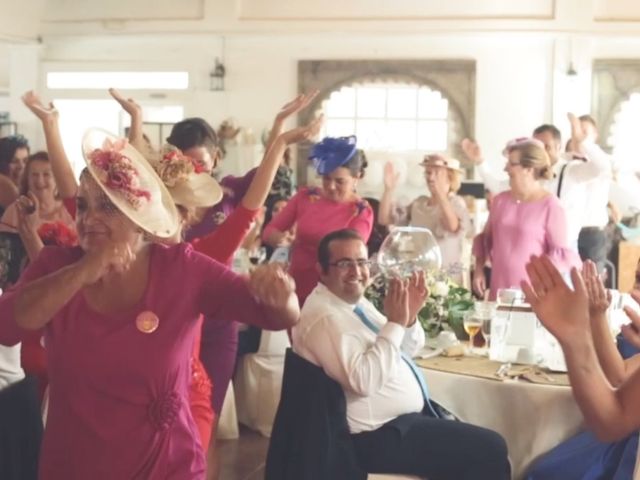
532, 418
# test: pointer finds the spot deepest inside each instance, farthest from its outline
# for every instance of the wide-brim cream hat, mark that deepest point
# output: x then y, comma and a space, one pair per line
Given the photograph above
188, 182
437, 160
130, 182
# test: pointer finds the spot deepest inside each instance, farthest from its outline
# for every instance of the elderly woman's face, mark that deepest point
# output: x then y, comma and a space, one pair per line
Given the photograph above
339, 185
98, 220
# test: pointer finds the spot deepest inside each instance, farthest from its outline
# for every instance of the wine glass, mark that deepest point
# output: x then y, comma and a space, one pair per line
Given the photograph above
486, 331
409, 249
472, 325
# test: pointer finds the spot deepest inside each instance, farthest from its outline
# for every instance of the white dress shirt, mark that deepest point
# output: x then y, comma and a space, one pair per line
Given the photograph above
584, 192
10, 370
379, 386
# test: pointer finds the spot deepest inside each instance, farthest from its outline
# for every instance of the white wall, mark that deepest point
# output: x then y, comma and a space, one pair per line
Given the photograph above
521, 55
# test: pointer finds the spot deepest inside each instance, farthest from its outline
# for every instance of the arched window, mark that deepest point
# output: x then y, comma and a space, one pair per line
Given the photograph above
623, 133
389, 116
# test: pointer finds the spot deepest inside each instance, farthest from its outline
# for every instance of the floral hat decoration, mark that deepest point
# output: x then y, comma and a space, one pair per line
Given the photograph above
189, 182
331, 153
130, 182
437, 160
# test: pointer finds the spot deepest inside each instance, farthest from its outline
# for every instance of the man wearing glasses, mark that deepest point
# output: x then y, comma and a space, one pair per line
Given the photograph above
394, 428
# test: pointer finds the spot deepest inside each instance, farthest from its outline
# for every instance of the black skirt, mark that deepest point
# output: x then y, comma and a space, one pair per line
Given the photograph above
20, 431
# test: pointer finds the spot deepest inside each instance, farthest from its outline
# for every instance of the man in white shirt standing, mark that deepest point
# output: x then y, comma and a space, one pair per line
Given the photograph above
391, 420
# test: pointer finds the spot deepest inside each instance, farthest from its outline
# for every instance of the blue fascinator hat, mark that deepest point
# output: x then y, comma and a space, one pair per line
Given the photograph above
331, 153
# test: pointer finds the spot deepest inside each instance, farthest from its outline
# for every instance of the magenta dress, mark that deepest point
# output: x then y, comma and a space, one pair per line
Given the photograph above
517, 230
119, 397
315, 217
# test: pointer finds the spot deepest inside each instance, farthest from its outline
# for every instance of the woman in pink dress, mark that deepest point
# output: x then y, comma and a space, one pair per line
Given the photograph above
318, 211
120, 315
524, 221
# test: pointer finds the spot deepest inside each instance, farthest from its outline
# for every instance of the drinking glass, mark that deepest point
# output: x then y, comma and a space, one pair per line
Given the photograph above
486, 331
472, 325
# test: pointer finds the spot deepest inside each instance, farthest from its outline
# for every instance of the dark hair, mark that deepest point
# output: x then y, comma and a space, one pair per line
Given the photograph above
323, 247
588, 119
24, 181
270, 204
193, 132
8, 147
547, 127
357, 164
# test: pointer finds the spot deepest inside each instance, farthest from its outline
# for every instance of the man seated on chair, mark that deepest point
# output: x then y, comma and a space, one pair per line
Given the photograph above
391, 420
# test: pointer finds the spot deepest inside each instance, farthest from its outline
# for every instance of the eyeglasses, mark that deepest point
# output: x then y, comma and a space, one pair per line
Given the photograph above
347, 264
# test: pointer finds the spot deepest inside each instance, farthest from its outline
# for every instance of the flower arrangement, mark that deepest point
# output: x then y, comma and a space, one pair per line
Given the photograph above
57, 233
443, 310
116, 171
175, 167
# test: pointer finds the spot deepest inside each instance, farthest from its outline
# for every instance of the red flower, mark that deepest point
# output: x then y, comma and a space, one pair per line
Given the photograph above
57, 234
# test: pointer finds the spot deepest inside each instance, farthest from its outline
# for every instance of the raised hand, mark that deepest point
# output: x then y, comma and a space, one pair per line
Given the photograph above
111, 258
271, 285
297, 104
391, 177
631, 331
599, 297
563, 311
578, 135
417, 294
396, 302
308, 132
129, 105
472, 151
44, 112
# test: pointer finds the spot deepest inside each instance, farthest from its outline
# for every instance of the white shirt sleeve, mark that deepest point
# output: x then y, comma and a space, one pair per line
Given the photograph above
350, 358
493, 181
598, 163
413, 340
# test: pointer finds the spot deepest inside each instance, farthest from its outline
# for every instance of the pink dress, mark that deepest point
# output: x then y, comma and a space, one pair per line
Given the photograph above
517, 230
119, 398
315, 217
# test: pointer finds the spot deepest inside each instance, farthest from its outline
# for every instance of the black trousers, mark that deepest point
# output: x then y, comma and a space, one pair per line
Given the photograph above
592, 245
416, 444
20, 431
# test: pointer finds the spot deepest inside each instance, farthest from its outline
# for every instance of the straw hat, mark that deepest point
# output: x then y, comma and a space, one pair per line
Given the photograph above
437, 160
189, 183
125, 176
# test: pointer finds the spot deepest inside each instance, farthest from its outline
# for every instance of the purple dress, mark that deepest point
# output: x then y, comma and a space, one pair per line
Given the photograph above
119, 398
219, 340
515, 231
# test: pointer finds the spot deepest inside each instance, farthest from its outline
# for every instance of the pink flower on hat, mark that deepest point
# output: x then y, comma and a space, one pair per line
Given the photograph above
116, 172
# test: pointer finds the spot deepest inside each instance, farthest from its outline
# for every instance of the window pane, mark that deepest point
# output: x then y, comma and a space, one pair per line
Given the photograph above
124, 80
401, 134
371, 134
339, 127
341, 103
432, 135
402, 103
431, 104
371, 102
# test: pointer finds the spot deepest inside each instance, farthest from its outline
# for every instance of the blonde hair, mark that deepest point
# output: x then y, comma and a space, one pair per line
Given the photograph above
455, 180
534, 157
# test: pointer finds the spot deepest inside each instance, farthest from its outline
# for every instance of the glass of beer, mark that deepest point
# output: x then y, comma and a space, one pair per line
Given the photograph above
472, 324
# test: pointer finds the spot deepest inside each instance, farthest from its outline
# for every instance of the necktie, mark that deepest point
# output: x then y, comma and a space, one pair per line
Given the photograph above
407, 359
